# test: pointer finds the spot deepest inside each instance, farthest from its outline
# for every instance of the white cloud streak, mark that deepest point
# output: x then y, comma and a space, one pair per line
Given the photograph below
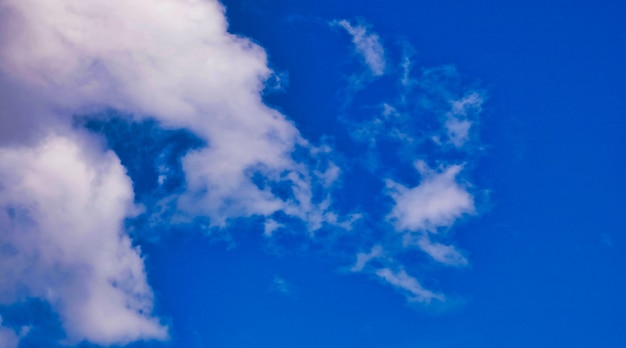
367, 45
408, 285
431, 108
445, 254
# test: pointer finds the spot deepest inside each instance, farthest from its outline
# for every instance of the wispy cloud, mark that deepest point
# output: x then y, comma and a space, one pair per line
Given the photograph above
362, 259
445, 254
458, 122
409, 285
64, 198
282, 286
270, 226
177, 63
429, 120
367, 45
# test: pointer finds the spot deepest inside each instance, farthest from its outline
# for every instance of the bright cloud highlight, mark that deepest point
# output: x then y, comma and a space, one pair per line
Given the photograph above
436, 202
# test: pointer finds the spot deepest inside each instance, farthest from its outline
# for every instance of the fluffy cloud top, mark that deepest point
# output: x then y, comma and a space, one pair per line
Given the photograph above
431, 119
172, 60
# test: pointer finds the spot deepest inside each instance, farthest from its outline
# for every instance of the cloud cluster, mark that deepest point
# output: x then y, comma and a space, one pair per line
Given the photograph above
409, 285
417, 215
173, 61
438, 201
428, 122
63, 198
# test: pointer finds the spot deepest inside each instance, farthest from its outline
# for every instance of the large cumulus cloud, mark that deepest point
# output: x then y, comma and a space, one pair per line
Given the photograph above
63, 198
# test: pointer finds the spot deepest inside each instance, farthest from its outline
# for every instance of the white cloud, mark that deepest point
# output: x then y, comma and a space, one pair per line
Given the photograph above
64, 199
171, 60
62, 206
330, 175
408, 285
368, 45
363, 258
445, 254
270, 227
436, 202
457, 123
471, 102
458, 130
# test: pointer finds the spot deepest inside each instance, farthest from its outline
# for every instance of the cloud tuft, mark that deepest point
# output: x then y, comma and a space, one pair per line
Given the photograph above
409, 285
367, 45
436, 202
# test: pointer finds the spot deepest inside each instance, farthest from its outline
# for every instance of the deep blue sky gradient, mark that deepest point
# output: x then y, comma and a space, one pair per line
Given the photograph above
547, 251
547, 256
548, 262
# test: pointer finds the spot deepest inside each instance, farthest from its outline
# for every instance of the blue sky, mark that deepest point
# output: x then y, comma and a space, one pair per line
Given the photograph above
312, 174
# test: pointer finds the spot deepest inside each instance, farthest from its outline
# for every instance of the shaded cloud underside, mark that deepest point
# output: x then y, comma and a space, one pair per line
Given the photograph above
10, 338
